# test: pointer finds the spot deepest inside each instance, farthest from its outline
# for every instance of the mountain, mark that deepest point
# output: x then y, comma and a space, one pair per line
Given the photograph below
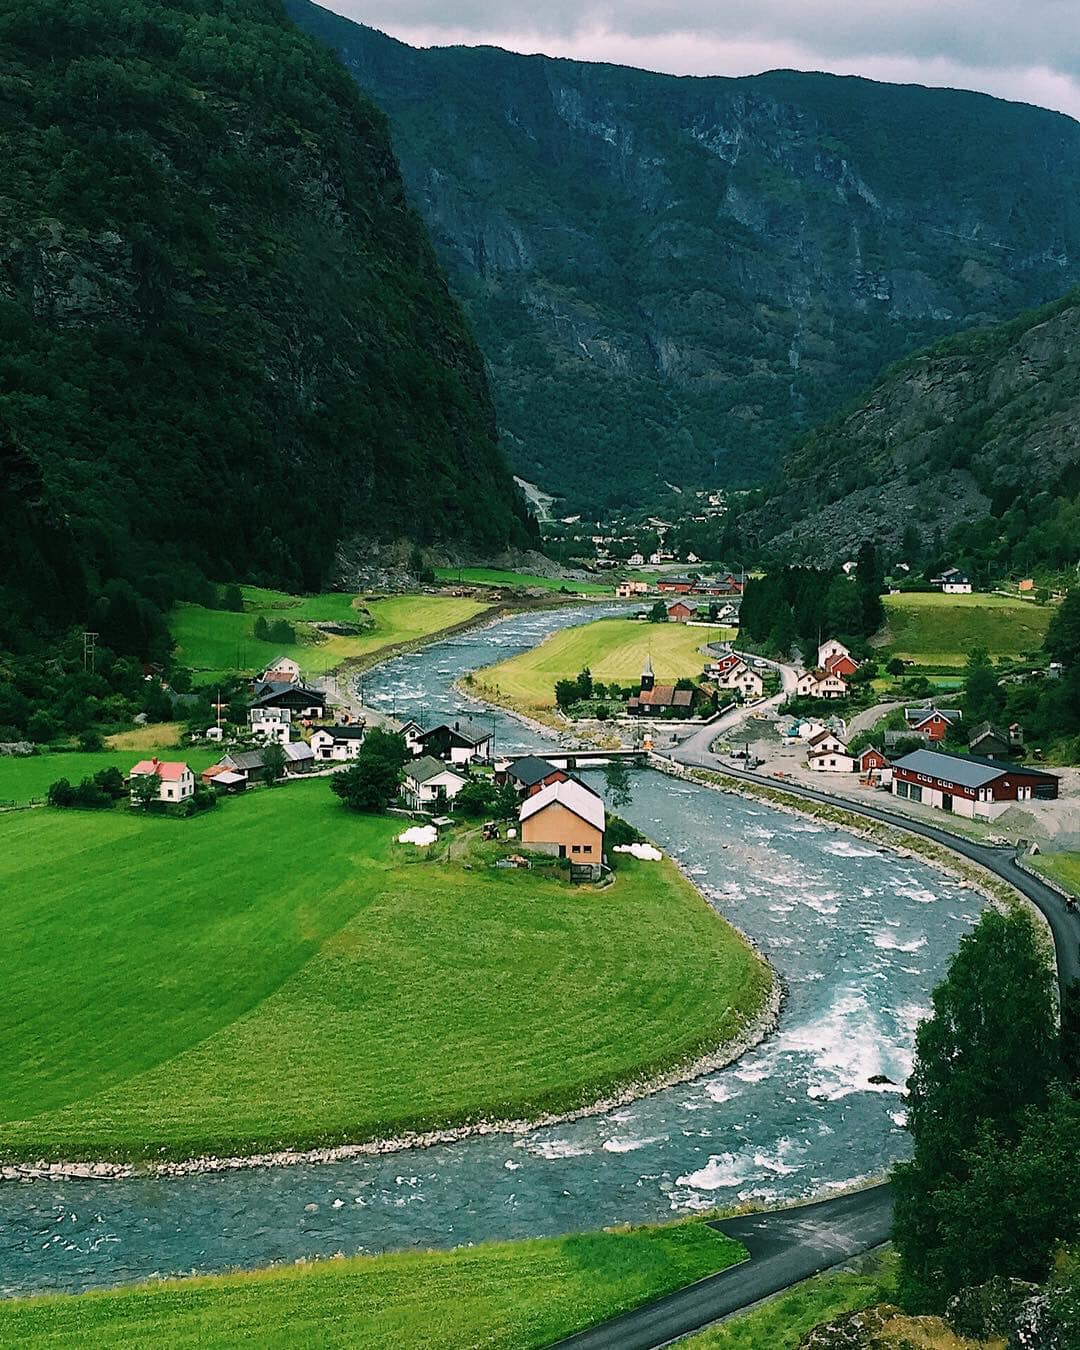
226, 347
974, 443
671, 278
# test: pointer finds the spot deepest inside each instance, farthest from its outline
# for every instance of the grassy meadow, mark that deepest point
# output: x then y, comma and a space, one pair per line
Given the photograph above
1064, 868
504, 1296
491, 576
23, 780
280, 971
938, 631
613, 649
217, 642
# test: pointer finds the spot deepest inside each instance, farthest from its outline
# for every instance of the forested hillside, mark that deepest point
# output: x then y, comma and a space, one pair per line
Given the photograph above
970, 450
673, 278
226, 348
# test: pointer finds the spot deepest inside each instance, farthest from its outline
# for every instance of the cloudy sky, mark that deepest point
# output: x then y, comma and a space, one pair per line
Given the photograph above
1019, 49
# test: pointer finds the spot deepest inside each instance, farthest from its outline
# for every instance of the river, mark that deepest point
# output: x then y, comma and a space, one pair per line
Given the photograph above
860, 936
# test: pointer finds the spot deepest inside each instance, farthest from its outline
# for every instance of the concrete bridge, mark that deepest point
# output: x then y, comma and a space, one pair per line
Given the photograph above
580, 759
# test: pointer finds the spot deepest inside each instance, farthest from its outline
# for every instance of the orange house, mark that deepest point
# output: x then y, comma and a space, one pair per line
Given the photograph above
567, 817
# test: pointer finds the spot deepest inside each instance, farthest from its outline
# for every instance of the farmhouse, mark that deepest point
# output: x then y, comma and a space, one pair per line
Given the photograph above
953, 582
932, 723
530, 774
272, 724
337, 742
819, 683
834, 657
461, 742
730, 671
874, 766
429, 784
993, 742
680, 612
675, 585
967, 786
827, 753
568, 818
282, 670
177, 780
301, 702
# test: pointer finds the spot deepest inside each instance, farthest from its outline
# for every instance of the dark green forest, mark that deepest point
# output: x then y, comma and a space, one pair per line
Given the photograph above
225, 345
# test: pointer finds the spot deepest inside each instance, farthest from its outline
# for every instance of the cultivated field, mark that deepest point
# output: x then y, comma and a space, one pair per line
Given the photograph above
22, 780
936, 630
503, 1296
613, 649
490, 576
217, 642
280, 971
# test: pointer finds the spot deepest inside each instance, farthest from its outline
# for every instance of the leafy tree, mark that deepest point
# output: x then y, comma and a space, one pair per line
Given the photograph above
61, 793
504, 805
895, 667
387, 746
367, 785
261, 631
145, 789
111, 781
617, 783
282, 633
91, 794
658, 612
274, 761
232, 598
983, 698
91, 741
1063, 632
475, 798
987, 1056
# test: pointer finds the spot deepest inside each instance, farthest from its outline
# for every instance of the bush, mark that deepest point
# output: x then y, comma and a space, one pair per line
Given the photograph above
475, 799
93, 795
90, 741
61, 793
111, 782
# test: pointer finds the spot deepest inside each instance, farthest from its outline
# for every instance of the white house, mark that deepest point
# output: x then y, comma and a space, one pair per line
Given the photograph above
820, 684
272, 724
337, 742
953, 582
636, 560
831, 761
282, 670
430, 784
177, 781
412, 731
826, 743
461, 742
829, 649
732, 672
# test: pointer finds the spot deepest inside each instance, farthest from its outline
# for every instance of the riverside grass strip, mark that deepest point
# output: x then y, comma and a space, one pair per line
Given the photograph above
217, 642
281, 973
613, 650
504, 1296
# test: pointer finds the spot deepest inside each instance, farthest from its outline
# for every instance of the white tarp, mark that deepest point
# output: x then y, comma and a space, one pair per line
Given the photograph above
646, 852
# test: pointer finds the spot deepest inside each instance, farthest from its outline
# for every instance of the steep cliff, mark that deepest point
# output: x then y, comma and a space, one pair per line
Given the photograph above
672, 278
979, 436
226, 347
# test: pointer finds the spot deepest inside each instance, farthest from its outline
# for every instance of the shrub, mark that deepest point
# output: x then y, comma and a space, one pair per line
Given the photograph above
61, 793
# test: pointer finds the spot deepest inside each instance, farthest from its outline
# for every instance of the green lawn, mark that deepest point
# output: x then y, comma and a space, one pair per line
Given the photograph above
782, 1322
217, 642
936, 630
490, 576
24, 779
508, 1295
1064, 868
613, 649
279, 971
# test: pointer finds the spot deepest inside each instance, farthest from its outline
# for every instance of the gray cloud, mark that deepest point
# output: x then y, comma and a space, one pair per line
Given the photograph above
1026, 51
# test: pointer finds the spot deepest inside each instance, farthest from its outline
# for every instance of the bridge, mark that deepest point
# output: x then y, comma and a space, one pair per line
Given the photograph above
580, 759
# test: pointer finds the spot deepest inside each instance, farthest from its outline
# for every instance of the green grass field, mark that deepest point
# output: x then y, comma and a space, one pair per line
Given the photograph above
217, 642
490, 576
613, 649
936, 630
1064, 868
782, 1322
280, 971
22, 780
505, 1296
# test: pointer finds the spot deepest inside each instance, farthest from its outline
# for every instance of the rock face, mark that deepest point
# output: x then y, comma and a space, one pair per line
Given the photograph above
982, 428
671, 278
226, 344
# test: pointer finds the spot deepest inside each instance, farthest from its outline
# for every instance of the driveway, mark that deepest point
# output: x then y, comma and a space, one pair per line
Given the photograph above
785, 1246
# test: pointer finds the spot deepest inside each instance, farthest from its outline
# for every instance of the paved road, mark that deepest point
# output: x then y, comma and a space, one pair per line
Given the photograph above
1064, 924
785, 1246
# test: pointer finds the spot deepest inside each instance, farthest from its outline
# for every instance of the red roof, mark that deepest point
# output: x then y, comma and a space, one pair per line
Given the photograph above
168, 770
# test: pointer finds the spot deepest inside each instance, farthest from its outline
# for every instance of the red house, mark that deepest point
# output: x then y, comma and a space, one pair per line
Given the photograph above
679, 612
675, 585
841, 664
968, 786
932, 723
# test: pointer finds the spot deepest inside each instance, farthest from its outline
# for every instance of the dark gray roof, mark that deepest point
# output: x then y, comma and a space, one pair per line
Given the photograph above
472, 732
269, 692
921, 714
428, 767
355, 733
531, 769
245, 760
965, 770
296, 751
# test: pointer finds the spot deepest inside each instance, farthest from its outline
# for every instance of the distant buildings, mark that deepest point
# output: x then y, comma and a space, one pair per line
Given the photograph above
430, 785
337, 743
953, 582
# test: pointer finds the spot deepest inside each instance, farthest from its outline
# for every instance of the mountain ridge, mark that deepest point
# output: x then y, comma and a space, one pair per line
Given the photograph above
673, 278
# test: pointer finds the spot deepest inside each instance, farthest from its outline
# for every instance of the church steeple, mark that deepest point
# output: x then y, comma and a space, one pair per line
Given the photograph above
648, 680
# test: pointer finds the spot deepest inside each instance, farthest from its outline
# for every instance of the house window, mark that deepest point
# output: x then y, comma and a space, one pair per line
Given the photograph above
916, 792
576, 848
900, 787
587, 848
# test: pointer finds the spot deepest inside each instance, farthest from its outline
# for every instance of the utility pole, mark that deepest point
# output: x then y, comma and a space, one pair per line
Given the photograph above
89, 652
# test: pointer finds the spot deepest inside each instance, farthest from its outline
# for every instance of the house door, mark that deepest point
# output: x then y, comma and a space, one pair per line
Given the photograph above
946, 801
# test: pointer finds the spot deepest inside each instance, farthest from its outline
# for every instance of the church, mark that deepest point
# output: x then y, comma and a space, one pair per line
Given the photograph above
659, 698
